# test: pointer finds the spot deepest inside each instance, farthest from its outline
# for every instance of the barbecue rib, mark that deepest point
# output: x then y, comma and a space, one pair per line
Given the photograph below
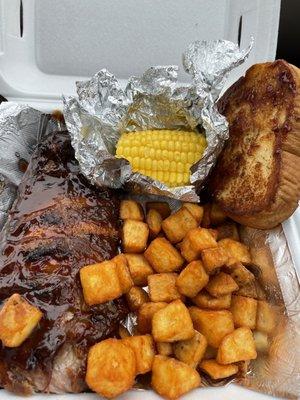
58, 224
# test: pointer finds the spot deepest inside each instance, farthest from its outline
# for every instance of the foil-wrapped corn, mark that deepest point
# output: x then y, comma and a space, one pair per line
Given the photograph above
164, 155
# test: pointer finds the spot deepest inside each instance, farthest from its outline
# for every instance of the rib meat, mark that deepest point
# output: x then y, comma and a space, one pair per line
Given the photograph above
58, 224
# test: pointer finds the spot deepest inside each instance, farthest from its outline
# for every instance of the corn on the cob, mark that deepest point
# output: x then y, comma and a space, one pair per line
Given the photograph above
162, 154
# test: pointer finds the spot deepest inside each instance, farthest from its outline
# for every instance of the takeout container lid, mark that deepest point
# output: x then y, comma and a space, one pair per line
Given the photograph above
46, 45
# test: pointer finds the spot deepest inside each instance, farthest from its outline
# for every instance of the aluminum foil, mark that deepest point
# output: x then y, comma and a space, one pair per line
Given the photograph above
277, 373
21, 127
103, 110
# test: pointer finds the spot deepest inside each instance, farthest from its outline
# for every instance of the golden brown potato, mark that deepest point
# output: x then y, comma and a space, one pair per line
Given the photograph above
164, 348
139, 268
237, 252
213, 258
262, 343
162, 256
18, 318
178, 224
237, 346
172, 323
100, 282
244, 311
266, 317
228, 230
134, 236
130, 209
154, 221
145, 315
196, 210
240, 274
162, 207
214, 325
195, 241
123, 332
221, 284
111, 368
205, 300
171, 378
123, 273
191, 351
144, 350
136, 297
162, 287
192, 279
218, 371
217, 216
252, 289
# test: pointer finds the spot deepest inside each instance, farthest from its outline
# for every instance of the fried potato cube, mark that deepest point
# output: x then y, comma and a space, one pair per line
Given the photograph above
123, 272
217, 216
162, 256
244, 311
123, 332
100, 282
164, 348
136, 297
240, 274
214, 325
111, 368
252, 289
195, 241
205, 300
172, 378
18, 318
145, 315
221, 284
162, 287
172, 323
266, 317
178, 224
237, 252
144, 350
154, 221
237, 346
130, 209
228, 230
218, 371
261, 340
195, 210
139, 268
162, 207
134, 236
191, 351
192, 279
213, 258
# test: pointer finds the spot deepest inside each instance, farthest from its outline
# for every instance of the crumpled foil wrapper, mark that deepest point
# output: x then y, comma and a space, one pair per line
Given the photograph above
103, 110
21, 127
276, 373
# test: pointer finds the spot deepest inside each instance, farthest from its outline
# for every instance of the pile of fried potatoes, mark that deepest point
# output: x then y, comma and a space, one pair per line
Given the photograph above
200, 309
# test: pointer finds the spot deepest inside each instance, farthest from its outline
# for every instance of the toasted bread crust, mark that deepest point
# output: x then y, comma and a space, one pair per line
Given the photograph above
257, 177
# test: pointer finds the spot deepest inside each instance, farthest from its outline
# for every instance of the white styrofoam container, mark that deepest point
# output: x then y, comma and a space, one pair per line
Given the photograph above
46, 45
